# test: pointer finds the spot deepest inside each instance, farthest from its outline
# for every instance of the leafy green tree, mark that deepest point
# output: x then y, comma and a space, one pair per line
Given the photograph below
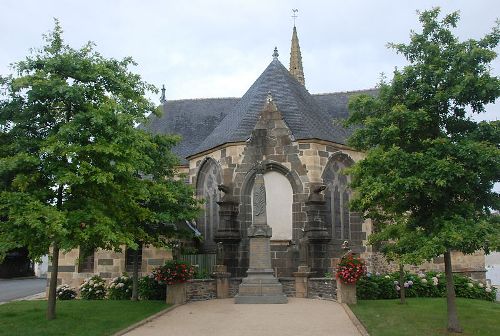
72, 162
426, 159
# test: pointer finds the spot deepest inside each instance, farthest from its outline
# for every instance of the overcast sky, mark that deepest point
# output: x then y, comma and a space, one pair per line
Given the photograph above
218, 48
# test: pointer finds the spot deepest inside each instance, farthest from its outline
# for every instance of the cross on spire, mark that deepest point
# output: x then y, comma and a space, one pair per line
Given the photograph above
294, 15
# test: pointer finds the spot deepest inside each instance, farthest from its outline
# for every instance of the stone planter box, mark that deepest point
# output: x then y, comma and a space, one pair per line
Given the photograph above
176, 294
346, 293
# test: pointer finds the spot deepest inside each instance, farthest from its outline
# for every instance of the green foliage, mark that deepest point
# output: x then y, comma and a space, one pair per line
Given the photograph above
74, 168
65, 292
430, 284
93, 288
150, 289
429, 170
120, 288
202, 274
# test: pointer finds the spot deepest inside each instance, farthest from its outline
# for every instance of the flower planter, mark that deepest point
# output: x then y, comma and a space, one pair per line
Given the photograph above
346, 293
176, 294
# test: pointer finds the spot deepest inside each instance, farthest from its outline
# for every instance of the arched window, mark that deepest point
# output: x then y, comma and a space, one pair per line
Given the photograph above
337, 197
279, 199
207, 183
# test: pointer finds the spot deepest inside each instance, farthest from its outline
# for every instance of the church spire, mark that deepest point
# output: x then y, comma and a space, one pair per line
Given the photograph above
296, 58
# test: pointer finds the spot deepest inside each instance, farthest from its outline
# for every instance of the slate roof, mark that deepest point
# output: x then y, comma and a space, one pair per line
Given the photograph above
207, 123
192, 119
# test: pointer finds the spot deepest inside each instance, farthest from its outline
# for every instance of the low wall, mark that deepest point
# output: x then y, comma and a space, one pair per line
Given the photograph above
206, 289
288, 286
322, 288
201, 290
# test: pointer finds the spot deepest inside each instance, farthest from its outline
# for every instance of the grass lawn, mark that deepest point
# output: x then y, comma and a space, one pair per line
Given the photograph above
76, 317
427, 316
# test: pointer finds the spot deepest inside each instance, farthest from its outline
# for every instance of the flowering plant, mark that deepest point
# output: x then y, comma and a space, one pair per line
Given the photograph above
65, 292
120, 288
174, 272
93, 288
350, 269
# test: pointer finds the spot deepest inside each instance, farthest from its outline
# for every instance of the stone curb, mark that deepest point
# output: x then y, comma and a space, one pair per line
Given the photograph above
357, 323
146, 320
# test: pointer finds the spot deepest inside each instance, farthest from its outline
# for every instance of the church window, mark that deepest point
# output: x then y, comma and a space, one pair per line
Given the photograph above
207, 189
337, 196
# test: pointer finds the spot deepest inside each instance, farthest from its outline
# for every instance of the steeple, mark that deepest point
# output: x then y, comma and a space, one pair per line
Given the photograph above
296, 59
163, 100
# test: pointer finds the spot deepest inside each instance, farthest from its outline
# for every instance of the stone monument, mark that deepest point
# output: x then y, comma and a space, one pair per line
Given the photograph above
260, 285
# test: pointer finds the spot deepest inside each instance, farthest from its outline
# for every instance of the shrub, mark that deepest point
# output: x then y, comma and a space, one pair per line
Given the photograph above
93, 288
201, 274
174, 272
120, 288
65, 292
430, 284
150, 289
350, 269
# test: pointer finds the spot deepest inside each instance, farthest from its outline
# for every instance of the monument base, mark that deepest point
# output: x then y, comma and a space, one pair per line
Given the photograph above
260, 287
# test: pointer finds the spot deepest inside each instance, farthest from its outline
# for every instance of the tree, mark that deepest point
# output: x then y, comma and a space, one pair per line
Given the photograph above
426, 158
71, 158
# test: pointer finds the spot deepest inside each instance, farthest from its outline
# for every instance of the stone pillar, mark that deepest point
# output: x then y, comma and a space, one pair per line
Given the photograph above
228, 233
301, 281
260, 285
221, 281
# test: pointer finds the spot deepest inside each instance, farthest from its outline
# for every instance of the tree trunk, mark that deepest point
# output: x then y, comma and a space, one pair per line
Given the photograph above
51, 308
453, 323
402, 289
135, 275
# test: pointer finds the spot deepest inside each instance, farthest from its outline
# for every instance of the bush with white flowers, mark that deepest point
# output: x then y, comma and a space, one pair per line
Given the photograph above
120, 288
429, 284
93, 288
65, 292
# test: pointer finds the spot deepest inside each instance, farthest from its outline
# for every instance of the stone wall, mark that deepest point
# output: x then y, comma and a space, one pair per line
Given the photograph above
288, 286
234, 285
107, 264
201, 290
322, 288
470, 265
303, 163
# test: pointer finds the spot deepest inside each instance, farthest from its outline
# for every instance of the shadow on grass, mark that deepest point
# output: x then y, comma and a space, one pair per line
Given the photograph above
76, 317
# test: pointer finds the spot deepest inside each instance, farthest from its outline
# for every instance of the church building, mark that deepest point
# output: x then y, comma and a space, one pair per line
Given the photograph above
297, 138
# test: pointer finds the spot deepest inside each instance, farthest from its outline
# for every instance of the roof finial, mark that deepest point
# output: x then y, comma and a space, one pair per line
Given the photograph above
162, 98
294, 15
275, 53
269, 97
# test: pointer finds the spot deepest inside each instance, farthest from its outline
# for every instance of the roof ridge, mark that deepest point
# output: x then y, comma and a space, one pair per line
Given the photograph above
195, 99
349, 91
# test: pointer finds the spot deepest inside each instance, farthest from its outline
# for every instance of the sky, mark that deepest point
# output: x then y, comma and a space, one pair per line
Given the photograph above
218, 48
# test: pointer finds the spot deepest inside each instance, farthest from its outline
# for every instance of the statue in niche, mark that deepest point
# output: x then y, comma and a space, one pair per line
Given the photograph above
303, 249
220, 253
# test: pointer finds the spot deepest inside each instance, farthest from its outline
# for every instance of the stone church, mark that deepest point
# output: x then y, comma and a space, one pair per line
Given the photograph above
299, 141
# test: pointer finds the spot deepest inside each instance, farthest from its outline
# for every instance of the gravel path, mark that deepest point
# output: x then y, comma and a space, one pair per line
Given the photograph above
224, 318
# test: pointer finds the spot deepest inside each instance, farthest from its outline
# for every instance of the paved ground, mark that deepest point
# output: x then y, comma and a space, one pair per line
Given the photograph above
11, 289
224, 318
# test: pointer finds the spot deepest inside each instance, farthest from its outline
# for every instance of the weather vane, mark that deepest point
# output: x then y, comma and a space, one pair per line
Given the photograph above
294, 15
